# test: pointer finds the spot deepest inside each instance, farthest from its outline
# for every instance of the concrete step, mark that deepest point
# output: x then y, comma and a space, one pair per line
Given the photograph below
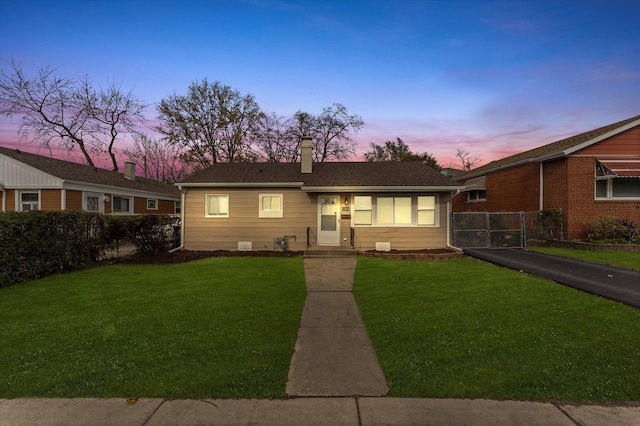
333, 252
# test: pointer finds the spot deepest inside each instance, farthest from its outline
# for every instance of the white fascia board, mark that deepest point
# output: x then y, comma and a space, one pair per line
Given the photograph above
602, 137
241, 185
89, 187
329, 189
505, 166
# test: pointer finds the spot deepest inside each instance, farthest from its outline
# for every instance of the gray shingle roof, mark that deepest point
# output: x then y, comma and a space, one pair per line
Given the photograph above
75, 172
551, 148
337, 174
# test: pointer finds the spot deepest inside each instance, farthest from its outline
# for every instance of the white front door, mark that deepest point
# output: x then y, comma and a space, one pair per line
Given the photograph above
328, 220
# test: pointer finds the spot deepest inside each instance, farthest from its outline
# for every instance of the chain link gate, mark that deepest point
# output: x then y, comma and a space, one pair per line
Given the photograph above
488, 230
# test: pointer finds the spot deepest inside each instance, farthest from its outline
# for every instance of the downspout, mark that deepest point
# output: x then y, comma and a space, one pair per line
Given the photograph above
541, 203
183, 194
4, 197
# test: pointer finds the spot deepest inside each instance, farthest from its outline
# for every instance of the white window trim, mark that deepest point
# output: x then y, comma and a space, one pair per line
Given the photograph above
414, 212
270, 213
609, 196
206, 207
28, 191
131, 205
93, 194
155, 200
177, 207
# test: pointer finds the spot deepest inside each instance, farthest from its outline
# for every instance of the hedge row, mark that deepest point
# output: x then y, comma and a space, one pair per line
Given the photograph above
40, 243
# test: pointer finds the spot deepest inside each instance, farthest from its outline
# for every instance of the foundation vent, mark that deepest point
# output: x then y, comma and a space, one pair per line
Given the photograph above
383, 246
245, 246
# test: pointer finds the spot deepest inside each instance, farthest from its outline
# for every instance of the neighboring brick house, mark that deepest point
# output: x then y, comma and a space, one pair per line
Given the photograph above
34, 182
269, 206
590, 175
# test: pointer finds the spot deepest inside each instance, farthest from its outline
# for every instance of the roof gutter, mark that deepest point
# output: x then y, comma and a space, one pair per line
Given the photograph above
240, 185
505, 166
449, 188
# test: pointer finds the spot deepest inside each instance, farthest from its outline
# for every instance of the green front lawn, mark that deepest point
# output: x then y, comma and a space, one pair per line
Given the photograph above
467, 329
219, 327
629, 260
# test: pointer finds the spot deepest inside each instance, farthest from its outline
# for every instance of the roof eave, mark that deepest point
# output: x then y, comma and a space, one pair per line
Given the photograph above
87, 186
557, 154
472, 175
416, 188
240, 185
600, 138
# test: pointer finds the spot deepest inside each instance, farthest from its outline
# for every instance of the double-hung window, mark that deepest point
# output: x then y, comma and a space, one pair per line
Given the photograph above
270, 205
427, 210
362, 210
152, 204
216, 205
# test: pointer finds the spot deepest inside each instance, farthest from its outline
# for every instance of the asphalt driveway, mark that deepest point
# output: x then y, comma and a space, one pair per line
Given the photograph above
621, 285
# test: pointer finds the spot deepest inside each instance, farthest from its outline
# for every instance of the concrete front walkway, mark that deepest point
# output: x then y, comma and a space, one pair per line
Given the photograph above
333, 354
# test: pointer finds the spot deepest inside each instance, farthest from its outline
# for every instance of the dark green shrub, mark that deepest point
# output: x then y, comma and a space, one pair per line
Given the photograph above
39, 243
152, 233
613, 230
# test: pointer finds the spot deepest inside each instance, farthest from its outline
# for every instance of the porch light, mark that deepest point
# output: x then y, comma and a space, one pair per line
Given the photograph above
346, 201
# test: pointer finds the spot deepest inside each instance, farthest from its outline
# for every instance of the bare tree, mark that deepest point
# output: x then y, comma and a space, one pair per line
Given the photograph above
50, 111
71, 114
331, 138
212, 122
158, 159
276, 139
114, 112
467, 161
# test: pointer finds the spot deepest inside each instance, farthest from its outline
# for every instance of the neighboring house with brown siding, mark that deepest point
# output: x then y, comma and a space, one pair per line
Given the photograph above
35, 182
254, 206
590, 175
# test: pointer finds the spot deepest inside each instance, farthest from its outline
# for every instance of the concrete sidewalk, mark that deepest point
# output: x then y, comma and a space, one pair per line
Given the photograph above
333, 354
364, 411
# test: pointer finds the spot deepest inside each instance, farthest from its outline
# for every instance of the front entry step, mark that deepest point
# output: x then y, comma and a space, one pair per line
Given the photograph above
330, 252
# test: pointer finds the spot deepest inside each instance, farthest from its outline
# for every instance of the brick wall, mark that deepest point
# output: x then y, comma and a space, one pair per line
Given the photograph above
582, 208
512, 190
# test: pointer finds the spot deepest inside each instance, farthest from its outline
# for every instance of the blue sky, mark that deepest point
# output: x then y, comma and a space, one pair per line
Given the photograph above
489, 77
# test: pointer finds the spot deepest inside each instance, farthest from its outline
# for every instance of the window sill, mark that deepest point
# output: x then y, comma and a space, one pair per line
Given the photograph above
617, 200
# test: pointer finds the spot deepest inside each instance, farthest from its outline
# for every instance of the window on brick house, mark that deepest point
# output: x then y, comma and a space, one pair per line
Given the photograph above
610, 185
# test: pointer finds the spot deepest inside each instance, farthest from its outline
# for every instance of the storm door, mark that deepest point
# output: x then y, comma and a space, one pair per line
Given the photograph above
329, 220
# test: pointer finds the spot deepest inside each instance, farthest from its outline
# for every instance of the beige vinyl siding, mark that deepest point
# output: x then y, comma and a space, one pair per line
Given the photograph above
300, 212
243, 223
406, 237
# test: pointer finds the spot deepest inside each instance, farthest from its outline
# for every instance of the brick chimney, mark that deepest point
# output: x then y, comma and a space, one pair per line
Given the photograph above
129, 170
306, 155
